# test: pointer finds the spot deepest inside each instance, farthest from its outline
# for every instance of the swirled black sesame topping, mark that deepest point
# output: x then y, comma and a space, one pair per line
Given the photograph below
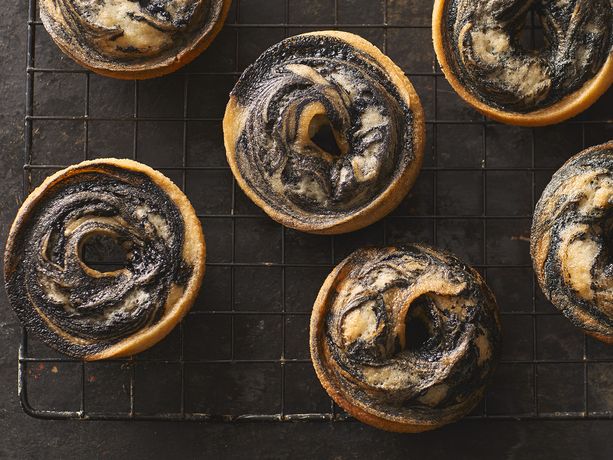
411, 333
484, 49
81, 310
572, 240
130, 31
307, 84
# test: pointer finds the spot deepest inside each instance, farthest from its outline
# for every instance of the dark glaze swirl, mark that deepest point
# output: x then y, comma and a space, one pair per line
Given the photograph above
482, 43
295, 88
405, 338
130, 32
77, 309
572, 241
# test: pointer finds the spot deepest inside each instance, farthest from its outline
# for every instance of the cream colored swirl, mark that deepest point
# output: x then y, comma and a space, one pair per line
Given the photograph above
483, 46
572, 241
408, 334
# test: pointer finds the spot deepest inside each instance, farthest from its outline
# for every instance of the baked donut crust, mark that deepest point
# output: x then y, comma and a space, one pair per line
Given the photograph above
323, 220
180, 41
570, 105
377, 364
174, 298
570, 241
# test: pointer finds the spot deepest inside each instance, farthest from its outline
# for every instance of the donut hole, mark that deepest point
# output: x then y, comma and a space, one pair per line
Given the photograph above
418, 324
604, 235
531, 37
103, 253
322, 135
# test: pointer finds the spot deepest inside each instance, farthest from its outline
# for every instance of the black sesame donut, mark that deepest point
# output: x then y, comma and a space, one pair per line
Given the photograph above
405, 339
297, 90
133, 39
572, 241
477, 43
79, 310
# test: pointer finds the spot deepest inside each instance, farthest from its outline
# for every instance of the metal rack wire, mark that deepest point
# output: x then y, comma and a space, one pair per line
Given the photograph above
245, 377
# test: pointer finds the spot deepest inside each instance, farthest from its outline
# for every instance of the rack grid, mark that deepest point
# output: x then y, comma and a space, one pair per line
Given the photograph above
242, 352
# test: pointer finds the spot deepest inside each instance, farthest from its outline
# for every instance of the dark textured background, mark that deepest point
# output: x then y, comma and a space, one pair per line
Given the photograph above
160, 143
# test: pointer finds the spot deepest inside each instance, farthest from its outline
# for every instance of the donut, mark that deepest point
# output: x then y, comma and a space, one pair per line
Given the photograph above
133, 39
571, 241
76, 308
405, 338
324, 133
478, 46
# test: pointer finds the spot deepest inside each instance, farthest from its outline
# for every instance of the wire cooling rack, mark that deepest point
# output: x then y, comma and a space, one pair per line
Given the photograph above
242, 353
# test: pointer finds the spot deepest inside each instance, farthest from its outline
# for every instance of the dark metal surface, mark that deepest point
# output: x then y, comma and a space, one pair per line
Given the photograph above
242, 353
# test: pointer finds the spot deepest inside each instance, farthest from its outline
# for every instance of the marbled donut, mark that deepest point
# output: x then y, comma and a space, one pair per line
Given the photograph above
91, 314
405, 339
572, 241
478, 44
133, 39
296, 90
